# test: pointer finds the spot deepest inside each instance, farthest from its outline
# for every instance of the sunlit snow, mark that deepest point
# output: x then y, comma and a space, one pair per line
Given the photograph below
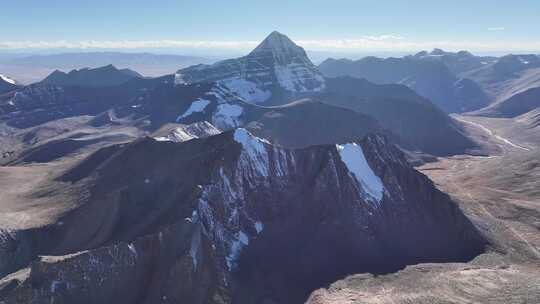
197, 106
353, 157
7, 79
227, 116
247, 90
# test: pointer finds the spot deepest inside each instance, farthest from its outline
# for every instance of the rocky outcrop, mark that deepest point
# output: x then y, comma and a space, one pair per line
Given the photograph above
180, 133
233, 219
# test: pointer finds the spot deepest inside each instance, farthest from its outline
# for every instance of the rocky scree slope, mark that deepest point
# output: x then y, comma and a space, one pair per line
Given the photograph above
414, 120
233, 219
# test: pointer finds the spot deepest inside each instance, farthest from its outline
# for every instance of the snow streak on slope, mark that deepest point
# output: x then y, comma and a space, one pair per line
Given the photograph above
246, 89
7, 79
227, 116
353, 157
254, 151
197, 106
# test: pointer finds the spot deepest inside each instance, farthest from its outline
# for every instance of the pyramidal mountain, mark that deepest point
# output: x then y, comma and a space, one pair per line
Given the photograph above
276, 71
231, 218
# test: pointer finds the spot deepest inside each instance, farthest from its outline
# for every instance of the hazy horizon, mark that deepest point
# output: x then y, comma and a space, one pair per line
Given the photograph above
235, 27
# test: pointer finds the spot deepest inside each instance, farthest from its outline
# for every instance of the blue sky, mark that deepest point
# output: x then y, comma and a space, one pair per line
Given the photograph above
355, 25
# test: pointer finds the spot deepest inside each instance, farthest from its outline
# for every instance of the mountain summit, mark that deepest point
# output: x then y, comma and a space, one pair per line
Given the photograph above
275, 72
278, 45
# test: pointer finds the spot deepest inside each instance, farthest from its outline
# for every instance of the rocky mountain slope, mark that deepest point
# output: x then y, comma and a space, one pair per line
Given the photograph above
224, 220
275, 72
97, 77
507, 76
398, 109
516, 105
39, 103
311, 122
431, 79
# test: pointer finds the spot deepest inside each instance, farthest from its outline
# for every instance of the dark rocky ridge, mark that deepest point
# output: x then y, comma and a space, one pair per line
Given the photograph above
97, 77
232, 219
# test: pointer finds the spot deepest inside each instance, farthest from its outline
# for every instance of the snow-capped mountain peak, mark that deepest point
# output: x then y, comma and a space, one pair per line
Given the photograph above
278, 44
275, 72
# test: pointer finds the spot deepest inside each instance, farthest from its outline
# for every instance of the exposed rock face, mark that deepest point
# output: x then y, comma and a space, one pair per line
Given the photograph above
233, 219
180, 133
276, 71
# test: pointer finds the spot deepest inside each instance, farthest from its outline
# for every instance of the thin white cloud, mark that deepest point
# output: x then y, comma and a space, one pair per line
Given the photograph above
388, 42
496, 29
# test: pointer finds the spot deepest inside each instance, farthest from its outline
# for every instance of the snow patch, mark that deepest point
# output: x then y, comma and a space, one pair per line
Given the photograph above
241, 240
298, 78
246, 89
132, 249
194, 248
7, 79
227, 116
259, 227
254, 151
353, 157
196, 107
178, 79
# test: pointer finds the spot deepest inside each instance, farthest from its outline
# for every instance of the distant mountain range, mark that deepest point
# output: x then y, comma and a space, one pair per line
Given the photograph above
99, 77
455, 82
30, 69
238, 92
507, 76
425, 73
